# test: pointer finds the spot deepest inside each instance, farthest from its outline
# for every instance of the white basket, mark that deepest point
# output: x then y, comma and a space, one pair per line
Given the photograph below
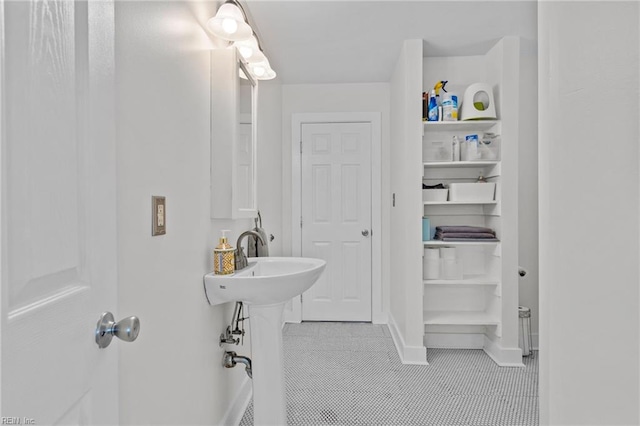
479, 192
435, 194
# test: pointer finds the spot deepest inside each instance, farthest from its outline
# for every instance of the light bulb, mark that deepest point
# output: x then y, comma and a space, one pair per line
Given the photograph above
245, 51
229, 25
259, 71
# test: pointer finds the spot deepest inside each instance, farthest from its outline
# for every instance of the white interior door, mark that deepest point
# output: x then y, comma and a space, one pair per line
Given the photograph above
58, 211
336, 219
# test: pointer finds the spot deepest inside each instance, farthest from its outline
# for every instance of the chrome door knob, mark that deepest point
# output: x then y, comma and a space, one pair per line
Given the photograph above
365, 232
126, 329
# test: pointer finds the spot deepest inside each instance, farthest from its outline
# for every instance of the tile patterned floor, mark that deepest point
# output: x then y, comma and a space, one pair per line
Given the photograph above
350, 374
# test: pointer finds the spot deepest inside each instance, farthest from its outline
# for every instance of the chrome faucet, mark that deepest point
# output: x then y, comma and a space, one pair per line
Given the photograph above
241, 258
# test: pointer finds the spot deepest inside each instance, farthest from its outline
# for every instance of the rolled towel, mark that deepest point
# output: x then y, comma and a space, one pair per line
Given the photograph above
464, 228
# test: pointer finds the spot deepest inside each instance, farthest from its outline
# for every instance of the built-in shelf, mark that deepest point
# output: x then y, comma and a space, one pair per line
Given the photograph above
460, 164
471, 280
445, 126
438, 243
459, 318
456, 203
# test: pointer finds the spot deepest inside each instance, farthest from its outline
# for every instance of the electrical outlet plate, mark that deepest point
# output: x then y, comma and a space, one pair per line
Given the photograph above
158, 216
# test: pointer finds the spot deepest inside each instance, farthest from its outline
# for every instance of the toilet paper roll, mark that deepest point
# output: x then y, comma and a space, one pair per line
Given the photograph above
451, 269
431, 269
431, 253
448, 252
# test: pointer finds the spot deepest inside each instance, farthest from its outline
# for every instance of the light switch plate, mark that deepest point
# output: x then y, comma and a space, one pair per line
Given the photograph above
158, 215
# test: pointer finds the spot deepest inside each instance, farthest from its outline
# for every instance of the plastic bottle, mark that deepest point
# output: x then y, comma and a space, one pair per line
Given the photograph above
455, 149
433, 106
223, 256
449, 107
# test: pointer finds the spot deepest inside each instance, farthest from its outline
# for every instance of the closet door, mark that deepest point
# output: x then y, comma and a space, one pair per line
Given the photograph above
336, 219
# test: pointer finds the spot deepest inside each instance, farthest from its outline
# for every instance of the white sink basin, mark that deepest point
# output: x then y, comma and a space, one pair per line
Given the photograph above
267, 280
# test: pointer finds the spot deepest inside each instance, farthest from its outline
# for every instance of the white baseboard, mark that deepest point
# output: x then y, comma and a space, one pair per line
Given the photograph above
504, 357
454, 340
416, 355
238, 405
380, 318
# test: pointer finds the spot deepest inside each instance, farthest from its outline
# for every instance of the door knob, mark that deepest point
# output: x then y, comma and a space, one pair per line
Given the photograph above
365, 232
126, 329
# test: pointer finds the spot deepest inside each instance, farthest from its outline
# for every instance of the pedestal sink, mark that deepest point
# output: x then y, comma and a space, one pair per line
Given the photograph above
266, 284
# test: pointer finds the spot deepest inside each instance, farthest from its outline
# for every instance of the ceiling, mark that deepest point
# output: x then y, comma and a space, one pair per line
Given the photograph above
323, 41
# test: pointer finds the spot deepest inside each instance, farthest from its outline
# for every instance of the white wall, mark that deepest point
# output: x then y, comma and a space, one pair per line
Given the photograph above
589, 213
406, 217
396, 159
315, 98
270, 170
528, 187
173, 373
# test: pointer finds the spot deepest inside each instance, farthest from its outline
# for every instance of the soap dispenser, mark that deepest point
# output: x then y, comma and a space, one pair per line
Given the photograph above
223, 256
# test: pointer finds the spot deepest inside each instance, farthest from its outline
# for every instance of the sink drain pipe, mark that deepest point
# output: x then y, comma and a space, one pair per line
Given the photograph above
230, 359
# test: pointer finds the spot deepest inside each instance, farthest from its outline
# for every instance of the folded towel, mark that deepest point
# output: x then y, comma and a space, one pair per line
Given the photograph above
464, 228
466, 239
467, 235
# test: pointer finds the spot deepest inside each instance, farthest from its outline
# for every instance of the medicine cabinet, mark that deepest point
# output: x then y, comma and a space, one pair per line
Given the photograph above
233, 137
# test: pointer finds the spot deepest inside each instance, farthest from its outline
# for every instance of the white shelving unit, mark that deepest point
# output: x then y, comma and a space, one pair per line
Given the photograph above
472, 301
480, 309
479, 280
459, 318
480, 125
460, 164
438, 243
457, 203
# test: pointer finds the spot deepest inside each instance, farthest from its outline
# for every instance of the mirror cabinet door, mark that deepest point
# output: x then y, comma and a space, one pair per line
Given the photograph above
233, 137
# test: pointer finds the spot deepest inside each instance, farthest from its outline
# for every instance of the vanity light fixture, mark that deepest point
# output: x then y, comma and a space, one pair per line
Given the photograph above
262, 70
231, 24
249, 50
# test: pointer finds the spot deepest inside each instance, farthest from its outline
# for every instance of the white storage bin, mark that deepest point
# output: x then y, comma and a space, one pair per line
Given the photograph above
435, 194
438, 151
481, 192
489, 147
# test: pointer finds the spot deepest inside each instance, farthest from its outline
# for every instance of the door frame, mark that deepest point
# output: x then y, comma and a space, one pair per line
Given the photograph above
375, 119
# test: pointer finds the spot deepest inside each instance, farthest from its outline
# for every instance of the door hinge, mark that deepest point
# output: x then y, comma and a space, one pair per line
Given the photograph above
300, 147
300, 221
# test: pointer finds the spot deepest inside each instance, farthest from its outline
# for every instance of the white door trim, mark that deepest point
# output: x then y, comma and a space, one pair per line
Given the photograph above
297, 120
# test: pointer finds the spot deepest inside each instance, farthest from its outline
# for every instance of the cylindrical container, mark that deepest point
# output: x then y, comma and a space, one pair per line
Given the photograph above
431, 266
525, 341
449, 107
471, 152
426, 229
448, 253
223, 256
455, 149
431, 253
